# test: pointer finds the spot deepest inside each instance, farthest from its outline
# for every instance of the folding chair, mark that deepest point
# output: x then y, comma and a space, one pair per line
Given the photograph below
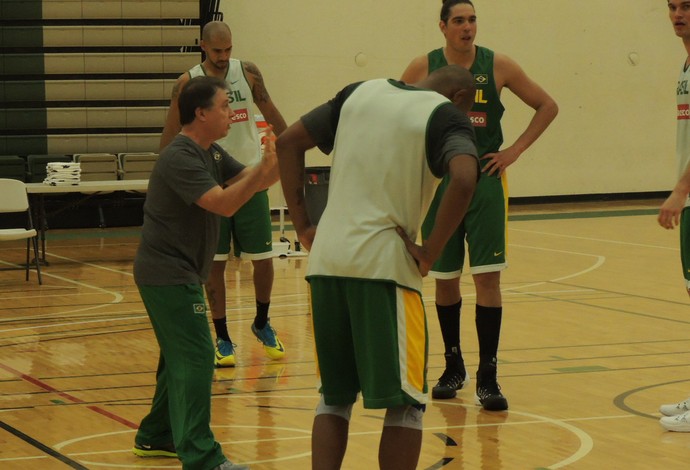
97, 166
15, 200
137, 166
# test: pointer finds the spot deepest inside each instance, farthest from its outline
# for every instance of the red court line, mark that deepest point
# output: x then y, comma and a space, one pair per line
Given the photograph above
67, 396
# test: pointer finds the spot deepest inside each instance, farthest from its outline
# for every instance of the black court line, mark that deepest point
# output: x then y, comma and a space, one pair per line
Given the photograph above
585, 302
270, 407
42, 447
619, 401
441, 463
449, 442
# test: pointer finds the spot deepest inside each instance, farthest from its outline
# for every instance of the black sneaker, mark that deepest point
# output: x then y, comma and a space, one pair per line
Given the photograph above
449, 383
488, 391
145, 450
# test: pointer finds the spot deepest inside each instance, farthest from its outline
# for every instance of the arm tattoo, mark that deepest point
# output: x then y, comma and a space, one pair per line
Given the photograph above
175, 91
259, 92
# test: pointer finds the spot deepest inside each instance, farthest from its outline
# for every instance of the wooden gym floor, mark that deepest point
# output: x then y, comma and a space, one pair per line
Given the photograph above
596, 334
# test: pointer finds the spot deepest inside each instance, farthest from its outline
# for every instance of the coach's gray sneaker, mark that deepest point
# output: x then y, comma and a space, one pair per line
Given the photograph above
227, 465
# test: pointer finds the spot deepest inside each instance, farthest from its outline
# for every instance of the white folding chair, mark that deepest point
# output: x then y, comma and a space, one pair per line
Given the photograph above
15, 200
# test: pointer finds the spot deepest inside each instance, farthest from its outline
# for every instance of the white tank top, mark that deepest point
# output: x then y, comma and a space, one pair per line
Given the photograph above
376, 187
242, 141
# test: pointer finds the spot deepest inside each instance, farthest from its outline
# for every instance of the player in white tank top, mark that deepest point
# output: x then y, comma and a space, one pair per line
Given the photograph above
251, 225
674, 211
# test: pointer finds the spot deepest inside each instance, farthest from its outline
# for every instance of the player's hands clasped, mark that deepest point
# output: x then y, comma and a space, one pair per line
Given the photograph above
269, 161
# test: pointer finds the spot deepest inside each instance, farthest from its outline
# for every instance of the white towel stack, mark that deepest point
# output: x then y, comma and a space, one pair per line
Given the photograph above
63, 173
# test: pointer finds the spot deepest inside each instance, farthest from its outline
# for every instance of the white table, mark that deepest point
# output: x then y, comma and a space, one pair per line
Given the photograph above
88, 188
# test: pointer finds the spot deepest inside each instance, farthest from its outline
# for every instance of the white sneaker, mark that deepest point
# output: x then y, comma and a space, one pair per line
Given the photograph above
227, 465
679, 423
675, 408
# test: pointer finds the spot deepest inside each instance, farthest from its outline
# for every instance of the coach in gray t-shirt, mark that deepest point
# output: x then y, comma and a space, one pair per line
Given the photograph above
178, 238
193, 183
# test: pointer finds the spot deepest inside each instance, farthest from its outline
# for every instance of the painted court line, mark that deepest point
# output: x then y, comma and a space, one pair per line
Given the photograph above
40, 384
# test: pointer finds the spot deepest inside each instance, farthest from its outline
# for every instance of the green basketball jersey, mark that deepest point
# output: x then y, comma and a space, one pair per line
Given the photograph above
487, 111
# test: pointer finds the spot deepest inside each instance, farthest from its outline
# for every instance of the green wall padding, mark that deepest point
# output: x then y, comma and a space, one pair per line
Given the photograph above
25, 118
22, 64
26, 144
22, 36
21, 9
29, 90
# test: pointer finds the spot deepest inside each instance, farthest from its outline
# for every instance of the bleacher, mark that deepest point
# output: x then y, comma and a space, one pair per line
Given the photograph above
87, 77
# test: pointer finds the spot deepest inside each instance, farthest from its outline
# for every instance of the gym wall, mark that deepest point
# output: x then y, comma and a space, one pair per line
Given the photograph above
611, 66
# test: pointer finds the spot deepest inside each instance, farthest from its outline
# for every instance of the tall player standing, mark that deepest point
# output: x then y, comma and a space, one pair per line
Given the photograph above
484, 225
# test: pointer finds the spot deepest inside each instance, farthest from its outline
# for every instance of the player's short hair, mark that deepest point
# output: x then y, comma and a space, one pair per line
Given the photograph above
214, 28
448, 4
198, 93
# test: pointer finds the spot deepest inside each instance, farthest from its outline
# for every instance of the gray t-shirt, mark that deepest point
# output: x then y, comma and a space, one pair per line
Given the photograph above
179, 238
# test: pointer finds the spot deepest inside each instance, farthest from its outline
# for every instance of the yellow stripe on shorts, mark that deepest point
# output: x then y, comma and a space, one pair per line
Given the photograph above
412, 343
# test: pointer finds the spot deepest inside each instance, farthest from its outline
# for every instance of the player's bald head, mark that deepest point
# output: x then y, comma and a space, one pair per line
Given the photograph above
454, 82
449, 80
215, 29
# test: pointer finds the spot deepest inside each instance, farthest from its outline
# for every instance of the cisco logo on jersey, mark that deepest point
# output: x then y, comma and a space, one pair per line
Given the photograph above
683, 109
241, 115
478, 119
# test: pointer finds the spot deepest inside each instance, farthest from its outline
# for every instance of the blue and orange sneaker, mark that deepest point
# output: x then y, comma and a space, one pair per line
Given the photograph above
267, 336
225, 353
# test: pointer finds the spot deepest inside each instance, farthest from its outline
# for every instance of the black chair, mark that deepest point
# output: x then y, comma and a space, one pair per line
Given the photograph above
13, 166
